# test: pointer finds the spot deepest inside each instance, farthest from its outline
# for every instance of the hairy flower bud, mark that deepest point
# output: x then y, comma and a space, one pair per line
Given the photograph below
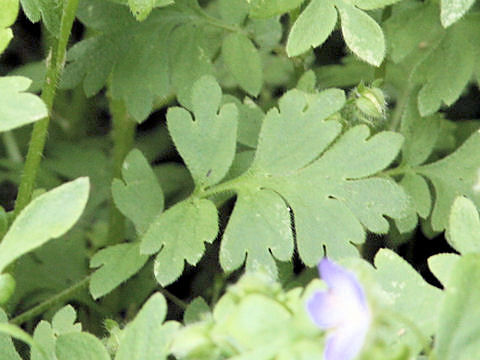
369, 102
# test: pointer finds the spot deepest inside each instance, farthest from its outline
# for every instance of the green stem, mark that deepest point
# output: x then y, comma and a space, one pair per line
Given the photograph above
177, 301
400, 108
47, 304
123, 133
55, 64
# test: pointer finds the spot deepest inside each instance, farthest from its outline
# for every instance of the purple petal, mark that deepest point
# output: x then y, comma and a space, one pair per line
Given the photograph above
323, 310
343, 282
345, 343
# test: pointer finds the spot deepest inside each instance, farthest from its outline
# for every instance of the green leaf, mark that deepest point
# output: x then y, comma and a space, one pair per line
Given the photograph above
7, 287
250, 118
413, 28
324, 186
80, 346
46, 217
453, 10
464, 226
409, 293
312, 27
135, 55
298, 123
361, 33
180, 233
190, 61
142, 8
207, 145
453, 176
8, 12
421, 134
270, 8
196, 311
458, 327
120, 262
440, 86
5, 36
18, 108
373, 4
442, 265
45, 336
269, 220
50, 12
63, 321
147, 337
7, 349
140, 198
233, 11
243, 60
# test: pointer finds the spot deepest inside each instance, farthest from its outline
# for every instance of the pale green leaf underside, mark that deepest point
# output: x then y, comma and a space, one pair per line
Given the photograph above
47, 217
361, 33
140, 198
464, 226
312, 27
18, 108
453, 10
119, 263
207, 144
147, 337
458, 330
179, 234
80, 346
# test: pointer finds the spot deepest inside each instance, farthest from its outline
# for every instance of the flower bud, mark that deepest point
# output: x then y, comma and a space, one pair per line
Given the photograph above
369, 102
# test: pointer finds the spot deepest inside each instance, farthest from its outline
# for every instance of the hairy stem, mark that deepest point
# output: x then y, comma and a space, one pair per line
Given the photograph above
47, 304
55, 64
123, 134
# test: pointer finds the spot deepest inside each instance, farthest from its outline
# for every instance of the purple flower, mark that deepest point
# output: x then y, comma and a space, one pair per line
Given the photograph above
342, 309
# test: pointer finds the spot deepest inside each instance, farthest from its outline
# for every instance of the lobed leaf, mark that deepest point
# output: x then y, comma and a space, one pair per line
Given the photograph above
50, 11
80, 346
146, 336
440, 86
332, 197
118, 263
18, 108
179, 234
452, 176
140, 198
207, 145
